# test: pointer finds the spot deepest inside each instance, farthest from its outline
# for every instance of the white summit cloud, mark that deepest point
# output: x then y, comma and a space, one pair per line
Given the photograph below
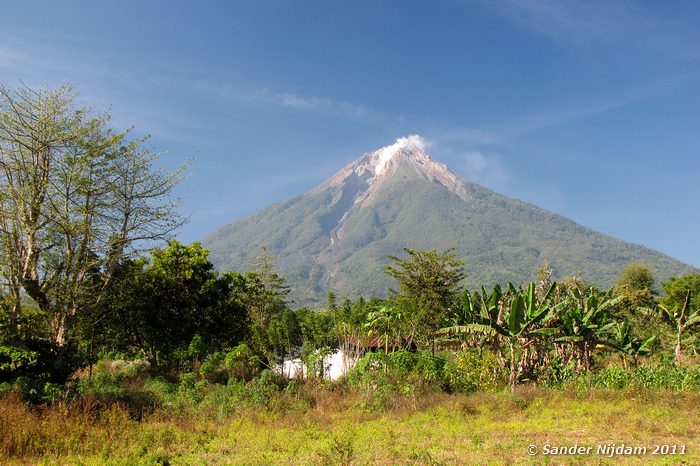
410, 142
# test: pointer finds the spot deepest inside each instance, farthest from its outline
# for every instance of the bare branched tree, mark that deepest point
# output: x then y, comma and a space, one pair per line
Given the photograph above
75, 200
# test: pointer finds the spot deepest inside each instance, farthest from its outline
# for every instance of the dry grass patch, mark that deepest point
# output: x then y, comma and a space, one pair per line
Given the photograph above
485, 428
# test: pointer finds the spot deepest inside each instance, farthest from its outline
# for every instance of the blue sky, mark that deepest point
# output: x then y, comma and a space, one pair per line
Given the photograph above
588, 109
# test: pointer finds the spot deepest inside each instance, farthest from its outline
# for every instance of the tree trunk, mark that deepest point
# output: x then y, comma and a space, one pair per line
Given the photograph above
679, 349
60, 330
513, 374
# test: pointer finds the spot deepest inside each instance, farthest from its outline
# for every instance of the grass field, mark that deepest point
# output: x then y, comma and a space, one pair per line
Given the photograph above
430, 429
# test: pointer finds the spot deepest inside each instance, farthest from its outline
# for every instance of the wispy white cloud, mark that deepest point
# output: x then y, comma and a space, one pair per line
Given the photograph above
141, 94
125, 89
577, 108
475, 162
315, 104
571, 20
240, 93
573, 111
486, 169
521, 125
585, 23
495, 171
277, 185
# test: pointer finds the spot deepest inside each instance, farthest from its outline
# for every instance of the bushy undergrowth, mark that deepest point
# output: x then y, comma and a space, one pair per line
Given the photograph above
380, 377
377, 382
127, 409
239, 363
643, 377
471, 371
139, 390
477, 428
656, 377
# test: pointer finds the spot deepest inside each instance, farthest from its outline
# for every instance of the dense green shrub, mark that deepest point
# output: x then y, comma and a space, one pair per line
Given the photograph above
556, 374
263, 387
471, 371
431, 367
238, 363
212, 368
34, 390
190, 388
108, 377
380, 377
160, 388
401, 361
242, 363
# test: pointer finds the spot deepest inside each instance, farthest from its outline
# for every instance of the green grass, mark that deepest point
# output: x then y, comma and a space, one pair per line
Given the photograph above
494, 428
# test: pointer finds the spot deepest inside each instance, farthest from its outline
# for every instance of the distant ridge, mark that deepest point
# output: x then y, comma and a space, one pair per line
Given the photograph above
338, 235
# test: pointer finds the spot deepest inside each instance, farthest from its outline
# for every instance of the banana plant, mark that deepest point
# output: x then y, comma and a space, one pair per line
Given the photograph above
470, 314
475, 310
683, 318
583, 324
515, 322
622, 339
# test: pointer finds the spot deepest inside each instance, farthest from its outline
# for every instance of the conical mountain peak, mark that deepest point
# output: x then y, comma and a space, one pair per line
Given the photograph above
403, 146
406, 156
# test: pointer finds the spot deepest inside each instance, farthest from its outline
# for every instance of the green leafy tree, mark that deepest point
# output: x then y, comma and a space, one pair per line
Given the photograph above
475, 307
176, 304
637, 278
637, 285
622, 338
265, 304
349, 327
386, 322
263, 293
318, 338
284, 335
676, 289
331, 301
428, 288
673, 308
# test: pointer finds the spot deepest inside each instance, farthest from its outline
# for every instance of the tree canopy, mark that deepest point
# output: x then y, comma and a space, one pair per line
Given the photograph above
676, 289
636, 278
429, 286
76, 199
161, 306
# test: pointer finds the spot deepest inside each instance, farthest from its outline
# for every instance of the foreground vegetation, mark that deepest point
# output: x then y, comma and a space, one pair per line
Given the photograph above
330, 427
395, 408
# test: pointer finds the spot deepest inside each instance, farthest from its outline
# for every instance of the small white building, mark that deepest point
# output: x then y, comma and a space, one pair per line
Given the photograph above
335, 365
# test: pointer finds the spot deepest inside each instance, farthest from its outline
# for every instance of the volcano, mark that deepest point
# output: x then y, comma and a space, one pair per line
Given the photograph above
338, 235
